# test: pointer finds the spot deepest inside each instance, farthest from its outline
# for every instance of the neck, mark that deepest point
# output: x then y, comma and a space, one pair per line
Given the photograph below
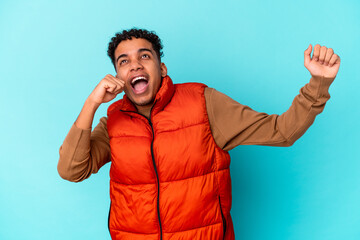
144, 110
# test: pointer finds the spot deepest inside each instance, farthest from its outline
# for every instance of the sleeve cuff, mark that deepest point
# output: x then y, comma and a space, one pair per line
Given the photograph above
320, 86
78, 137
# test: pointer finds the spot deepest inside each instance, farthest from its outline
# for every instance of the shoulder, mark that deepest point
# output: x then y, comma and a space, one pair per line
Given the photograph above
114, 106
190, 88
213, 95
190, 85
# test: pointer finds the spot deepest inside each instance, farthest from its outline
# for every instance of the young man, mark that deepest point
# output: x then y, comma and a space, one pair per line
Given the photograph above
168, 143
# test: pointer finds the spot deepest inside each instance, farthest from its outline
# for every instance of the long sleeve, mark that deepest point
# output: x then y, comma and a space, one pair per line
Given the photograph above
84, 152
234, 124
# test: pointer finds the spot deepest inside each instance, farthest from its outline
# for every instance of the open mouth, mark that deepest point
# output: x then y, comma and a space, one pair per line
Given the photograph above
139, 84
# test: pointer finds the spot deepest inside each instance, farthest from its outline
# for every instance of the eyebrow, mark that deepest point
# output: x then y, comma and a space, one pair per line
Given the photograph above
139, 51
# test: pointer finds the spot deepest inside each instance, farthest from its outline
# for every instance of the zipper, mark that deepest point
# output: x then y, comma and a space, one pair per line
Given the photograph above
153, 160
109, 218
223, 219
157, 177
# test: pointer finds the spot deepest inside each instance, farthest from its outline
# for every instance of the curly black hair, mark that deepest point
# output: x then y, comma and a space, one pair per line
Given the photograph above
137, 33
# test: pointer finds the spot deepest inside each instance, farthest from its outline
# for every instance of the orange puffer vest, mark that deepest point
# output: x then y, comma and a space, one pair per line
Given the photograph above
168, 178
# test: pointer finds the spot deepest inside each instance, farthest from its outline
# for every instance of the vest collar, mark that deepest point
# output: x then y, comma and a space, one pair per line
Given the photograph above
162, 98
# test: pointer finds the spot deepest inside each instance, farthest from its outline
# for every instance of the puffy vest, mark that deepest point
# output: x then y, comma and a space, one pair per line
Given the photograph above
168, 178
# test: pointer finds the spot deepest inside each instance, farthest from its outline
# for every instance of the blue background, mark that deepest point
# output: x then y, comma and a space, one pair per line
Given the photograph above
53, 53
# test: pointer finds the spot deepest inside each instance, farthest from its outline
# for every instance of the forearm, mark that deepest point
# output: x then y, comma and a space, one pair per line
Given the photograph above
74, 162
305, 107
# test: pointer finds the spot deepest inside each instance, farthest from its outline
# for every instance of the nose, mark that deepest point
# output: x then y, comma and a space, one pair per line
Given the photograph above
135, 65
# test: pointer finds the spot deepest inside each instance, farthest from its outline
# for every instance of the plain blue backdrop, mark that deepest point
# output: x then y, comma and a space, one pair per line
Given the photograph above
53, 53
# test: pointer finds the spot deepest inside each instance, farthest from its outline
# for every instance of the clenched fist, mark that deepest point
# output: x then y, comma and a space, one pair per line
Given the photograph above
324, 62
107, 89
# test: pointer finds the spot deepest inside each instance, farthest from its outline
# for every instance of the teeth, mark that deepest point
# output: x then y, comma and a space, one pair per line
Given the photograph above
138, 78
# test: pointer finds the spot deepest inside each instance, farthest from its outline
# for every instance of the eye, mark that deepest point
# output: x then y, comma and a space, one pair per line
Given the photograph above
145, 56
123, 61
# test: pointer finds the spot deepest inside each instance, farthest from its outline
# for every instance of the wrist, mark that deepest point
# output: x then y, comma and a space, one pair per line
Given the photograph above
91, 105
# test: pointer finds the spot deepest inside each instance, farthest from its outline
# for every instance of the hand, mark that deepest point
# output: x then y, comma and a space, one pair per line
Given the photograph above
107, 89
324, 63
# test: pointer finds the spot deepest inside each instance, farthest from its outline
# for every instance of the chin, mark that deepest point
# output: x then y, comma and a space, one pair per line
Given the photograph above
142, 102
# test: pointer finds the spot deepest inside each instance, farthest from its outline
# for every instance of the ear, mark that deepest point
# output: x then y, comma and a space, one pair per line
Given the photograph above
163, 69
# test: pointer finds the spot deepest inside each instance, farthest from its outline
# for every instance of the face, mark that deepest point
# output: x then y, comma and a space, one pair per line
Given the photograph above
137, 64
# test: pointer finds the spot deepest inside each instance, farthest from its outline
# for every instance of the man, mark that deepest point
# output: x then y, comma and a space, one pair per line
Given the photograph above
168, 143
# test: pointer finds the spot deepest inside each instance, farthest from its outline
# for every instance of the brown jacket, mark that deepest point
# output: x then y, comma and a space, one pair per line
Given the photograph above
84, 152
